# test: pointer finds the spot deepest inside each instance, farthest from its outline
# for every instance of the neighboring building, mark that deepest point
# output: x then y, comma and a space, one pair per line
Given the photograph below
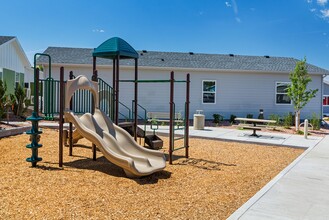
222, 84
325, 97
14, 65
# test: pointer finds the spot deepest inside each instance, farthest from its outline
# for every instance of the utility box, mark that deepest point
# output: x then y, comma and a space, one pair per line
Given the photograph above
198, 120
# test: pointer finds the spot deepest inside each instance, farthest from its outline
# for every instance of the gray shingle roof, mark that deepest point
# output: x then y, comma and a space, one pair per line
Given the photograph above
62, 55
4, 39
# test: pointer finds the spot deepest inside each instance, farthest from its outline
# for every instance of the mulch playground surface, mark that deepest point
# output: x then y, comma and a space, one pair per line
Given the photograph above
215, 181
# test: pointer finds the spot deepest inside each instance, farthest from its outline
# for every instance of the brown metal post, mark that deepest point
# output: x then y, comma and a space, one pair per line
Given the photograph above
61, 117
93, 104
94, 64
70, 125
171, 122
187, 115
113, 91
117, 90
136, 100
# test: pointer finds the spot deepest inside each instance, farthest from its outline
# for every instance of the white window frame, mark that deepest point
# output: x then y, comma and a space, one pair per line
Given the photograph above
215, 92
280, 93
17, 74
322, 100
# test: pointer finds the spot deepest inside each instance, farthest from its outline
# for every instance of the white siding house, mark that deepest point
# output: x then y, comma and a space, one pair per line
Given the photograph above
14, 65
222, 84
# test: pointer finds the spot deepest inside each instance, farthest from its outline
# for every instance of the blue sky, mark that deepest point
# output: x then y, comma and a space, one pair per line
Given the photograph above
288, 28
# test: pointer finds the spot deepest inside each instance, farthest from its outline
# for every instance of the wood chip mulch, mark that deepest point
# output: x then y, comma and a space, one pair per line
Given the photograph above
215, 181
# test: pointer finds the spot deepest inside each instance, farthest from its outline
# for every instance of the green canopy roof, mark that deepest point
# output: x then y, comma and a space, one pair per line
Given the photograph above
113, 47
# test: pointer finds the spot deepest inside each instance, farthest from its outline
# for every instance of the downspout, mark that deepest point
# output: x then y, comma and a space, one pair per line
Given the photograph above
323, 76
321, 97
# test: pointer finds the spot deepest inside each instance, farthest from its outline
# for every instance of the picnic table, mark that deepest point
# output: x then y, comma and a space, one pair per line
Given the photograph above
254, 122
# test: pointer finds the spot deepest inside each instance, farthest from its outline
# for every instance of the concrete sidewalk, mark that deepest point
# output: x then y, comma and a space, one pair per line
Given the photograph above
299, 192
279, 139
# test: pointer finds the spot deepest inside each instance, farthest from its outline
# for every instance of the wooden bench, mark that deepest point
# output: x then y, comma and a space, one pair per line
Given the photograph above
163, 117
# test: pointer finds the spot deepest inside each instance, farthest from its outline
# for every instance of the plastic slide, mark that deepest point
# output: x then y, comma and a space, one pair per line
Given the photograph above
116, 144
76, 136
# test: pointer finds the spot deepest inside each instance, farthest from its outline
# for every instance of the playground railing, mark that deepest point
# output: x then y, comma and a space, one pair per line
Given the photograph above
81, 101
106, 98
126, 110
49, 97
144, 117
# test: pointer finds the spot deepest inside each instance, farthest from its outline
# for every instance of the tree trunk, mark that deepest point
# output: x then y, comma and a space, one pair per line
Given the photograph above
297, 120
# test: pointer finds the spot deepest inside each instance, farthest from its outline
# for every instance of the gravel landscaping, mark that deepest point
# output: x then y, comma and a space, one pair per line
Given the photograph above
215, 181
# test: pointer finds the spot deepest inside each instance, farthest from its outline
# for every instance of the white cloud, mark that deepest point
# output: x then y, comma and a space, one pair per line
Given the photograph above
322, 2
309, 1
312, 10
325, 13
235, 7
98, 30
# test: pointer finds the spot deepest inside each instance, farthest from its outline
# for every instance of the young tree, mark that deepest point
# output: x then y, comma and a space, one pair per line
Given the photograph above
297, 91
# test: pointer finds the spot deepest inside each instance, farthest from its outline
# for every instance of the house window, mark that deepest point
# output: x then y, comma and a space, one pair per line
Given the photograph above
209, 91
281, 95
16, 79
325, 100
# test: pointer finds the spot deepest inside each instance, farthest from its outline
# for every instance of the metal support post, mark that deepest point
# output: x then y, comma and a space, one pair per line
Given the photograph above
171, 122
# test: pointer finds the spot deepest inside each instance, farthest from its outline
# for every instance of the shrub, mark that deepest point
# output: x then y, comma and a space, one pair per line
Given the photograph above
315, 121
3, 88
218, 118
300, 132
249, 116
232, 118
261, 114
288, 120
19, 100
276, 118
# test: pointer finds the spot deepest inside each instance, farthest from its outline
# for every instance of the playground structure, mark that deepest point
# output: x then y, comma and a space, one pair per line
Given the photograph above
115, 49
114, 142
